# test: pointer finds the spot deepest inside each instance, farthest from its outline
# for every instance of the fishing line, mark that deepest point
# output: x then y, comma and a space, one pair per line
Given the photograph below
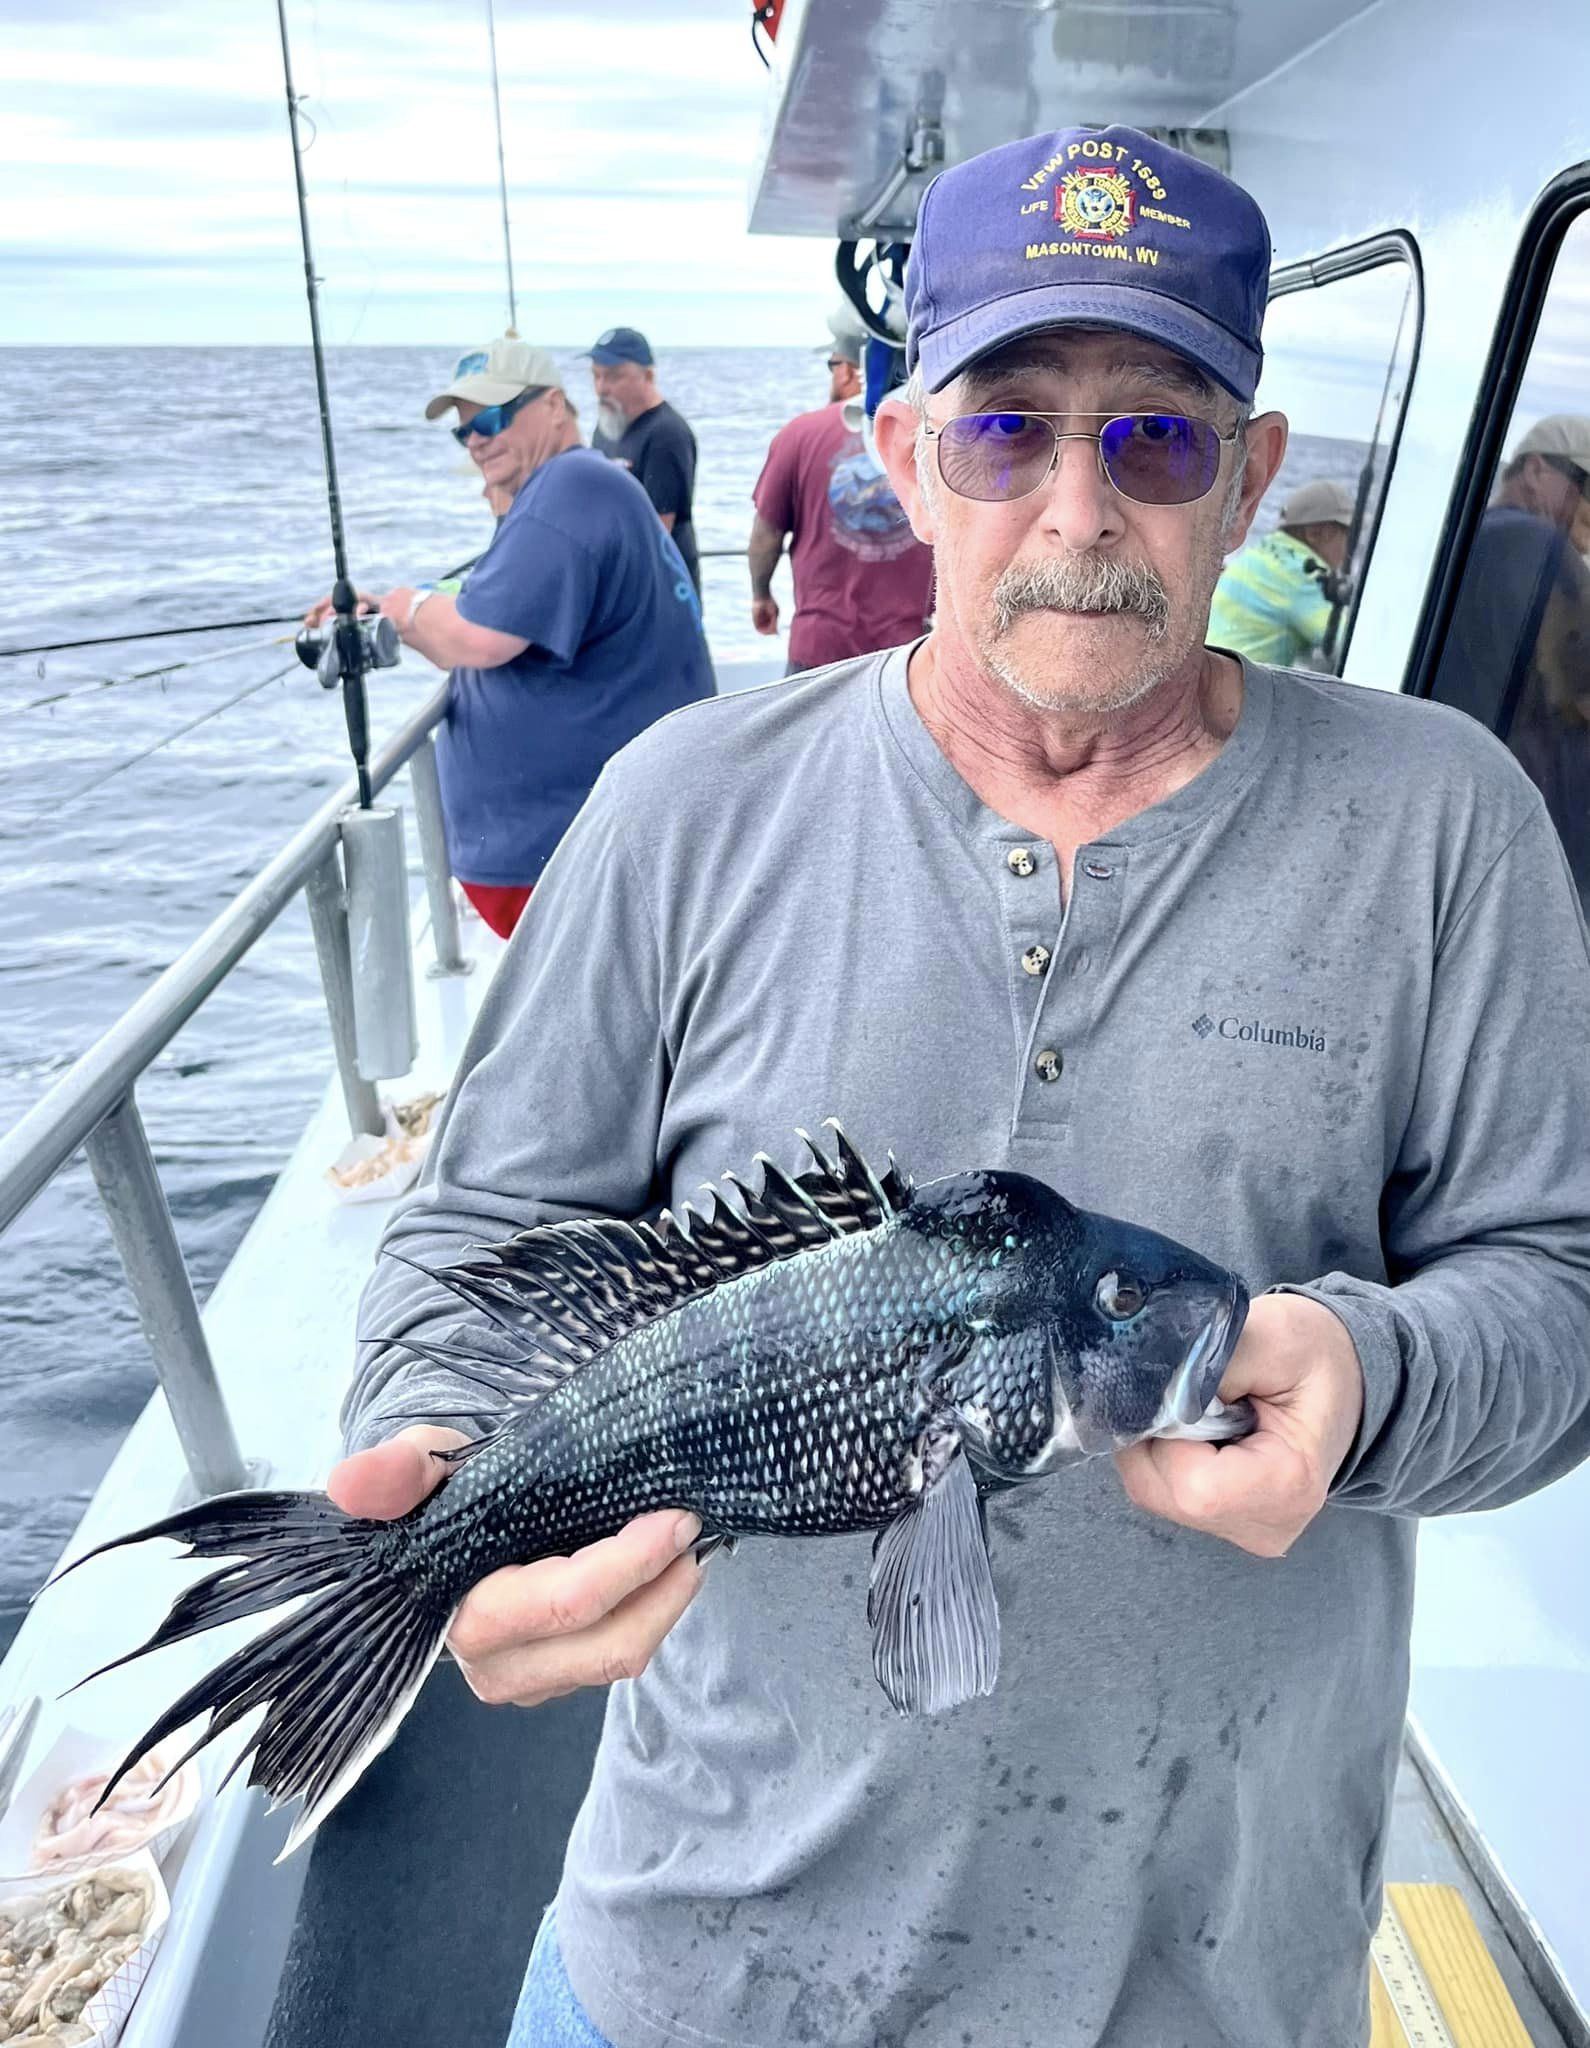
55, 804
96, 684
145, 633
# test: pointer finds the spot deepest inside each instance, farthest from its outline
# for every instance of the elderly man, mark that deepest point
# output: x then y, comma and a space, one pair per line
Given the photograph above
1060, 889
1274, 600
578, 626
637, 427
862, 578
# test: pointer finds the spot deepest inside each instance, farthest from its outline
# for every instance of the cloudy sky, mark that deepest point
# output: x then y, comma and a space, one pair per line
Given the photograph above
149, 192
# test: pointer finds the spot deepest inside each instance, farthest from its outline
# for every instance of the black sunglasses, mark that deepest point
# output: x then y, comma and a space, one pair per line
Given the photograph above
1153, 458
491, 419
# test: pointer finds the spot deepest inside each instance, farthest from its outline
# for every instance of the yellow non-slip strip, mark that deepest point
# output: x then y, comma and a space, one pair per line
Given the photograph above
1433, 1984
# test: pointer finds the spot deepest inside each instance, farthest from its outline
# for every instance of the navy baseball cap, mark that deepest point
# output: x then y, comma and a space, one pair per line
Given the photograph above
621, 345
1096, 226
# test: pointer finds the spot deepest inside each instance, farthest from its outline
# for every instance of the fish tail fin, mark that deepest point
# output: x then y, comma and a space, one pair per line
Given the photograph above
336, 1677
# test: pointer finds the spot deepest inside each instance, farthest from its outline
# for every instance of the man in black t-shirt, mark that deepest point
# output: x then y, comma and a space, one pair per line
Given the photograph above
1517, 653
638, 427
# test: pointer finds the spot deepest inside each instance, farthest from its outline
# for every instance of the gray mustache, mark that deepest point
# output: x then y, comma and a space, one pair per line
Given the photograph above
1084, 583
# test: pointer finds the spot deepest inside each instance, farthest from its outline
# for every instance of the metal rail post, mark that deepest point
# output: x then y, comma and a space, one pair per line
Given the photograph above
450, 955
140, 1221
328, 914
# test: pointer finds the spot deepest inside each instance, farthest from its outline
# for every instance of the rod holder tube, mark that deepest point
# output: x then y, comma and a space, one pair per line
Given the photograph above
328, 915
168, 1314
386, 1033
450, 956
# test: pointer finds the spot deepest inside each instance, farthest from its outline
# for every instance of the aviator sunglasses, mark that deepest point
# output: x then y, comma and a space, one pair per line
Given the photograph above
491, 419
1153, 458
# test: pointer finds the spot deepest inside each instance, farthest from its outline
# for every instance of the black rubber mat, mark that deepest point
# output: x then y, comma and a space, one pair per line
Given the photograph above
426, 1885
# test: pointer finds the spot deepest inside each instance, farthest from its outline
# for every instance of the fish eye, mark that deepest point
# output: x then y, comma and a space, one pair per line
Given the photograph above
1119, 1296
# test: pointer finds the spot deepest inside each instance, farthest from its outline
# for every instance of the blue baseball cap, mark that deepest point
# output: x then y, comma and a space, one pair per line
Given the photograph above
621, 345
1095, 226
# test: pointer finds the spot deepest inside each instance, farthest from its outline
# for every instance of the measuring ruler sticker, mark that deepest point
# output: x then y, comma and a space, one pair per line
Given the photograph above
1407, 1987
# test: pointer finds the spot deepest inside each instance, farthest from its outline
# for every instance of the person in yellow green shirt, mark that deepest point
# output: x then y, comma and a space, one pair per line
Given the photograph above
1273, 601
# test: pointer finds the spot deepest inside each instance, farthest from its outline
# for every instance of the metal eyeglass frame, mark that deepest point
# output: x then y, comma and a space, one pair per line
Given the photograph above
932, 433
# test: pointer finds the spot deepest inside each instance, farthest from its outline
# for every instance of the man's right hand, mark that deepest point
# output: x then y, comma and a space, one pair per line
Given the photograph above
323, 610
764, 614
532, 1632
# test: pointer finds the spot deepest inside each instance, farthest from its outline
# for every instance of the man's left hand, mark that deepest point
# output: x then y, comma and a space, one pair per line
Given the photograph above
1299, 1367
395, 605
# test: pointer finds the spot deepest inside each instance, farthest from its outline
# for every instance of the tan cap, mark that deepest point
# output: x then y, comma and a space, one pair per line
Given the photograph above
493, 375
1320, 503
1560, 433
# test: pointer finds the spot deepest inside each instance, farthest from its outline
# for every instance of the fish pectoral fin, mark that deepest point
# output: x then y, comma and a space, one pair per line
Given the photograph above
931, 1601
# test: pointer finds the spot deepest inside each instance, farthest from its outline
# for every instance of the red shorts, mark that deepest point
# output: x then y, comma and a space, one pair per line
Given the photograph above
500, 908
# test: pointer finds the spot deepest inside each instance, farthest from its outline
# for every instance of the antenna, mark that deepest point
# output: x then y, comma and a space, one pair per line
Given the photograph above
502, 172
348, 653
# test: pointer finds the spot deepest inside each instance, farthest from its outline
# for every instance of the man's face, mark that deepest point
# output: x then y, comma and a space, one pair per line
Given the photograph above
1075, 597
844, 380
508, 460
623, 391
1330, 543
1555, 488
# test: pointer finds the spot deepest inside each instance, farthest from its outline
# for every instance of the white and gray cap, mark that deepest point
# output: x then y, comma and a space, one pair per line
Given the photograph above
1318, 503
495, 374
1561, 433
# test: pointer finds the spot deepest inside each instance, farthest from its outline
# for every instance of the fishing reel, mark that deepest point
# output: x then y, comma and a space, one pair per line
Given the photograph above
325, 648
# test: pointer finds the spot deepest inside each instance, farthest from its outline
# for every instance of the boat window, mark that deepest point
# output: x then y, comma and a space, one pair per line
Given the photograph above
1340, 342
1516, 651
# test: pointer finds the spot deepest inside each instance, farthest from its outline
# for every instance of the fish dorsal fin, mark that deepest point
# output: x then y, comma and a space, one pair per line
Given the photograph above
556, 1297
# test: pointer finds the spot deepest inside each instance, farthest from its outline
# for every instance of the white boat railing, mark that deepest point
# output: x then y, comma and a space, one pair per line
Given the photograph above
94, 1105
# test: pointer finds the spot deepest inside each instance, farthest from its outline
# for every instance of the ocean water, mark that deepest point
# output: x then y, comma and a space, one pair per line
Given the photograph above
158, 488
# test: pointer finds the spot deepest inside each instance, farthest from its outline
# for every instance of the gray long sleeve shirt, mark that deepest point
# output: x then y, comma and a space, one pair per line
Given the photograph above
1322, 1014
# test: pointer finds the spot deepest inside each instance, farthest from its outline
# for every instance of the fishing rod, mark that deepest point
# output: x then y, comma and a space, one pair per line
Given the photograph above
241, 625
1365, 484
502, 170
354, 645
176, 632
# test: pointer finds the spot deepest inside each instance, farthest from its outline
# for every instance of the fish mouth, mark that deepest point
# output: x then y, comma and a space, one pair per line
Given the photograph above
1197, 1379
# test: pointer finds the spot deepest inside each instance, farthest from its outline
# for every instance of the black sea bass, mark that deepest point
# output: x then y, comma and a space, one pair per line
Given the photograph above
839, 1352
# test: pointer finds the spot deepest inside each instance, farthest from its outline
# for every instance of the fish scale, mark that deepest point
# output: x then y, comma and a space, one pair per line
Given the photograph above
833, 1353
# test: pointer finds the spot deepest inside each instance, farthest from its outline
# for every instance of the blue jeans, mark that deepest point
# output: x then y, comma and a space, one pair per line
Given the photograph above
548, 2014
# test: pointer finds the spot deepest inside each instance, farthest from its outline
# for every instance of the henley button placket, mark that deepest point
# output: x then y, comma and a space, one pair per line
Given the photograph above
1068, 992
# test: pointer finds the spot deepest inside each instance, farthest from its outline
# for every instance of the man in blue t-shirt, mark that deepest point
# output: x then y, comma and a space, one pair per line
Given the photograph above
577, 628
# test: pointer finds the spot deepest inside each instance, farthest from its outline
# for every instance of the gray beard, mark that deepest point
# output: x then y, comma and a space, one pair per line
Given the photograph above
610, 422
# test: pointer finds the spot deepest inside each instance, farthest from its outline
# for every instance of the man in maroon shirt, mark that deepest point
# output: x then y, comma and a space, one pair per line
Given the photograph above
862, 578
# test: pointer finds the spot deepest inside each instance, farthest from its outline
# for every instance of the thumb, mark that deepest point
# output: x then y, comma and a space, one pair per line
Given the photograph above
389, 1479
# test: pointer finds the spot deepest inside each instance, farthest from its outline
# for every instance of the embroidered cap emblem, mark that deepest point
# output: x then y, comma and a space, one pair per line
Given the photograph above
1096, 206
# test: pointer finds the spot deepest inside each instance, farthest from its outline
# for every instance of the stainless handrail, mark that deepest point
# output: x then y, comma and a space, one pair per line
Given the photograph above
35, 1149
94, 1103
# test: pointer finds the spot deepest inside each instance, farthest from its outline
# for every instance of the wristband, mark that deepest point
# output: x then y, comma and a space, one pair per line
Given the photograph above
421, 593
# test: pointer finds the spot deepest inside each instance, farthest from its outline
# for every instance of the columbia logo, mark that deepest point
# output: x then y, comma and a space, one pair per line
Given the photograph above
1203, 1025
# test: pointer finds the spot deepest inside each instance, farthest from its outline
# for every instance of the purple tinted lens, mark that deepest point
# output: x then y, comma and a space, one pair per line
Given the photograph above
1160, 458
994, 455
